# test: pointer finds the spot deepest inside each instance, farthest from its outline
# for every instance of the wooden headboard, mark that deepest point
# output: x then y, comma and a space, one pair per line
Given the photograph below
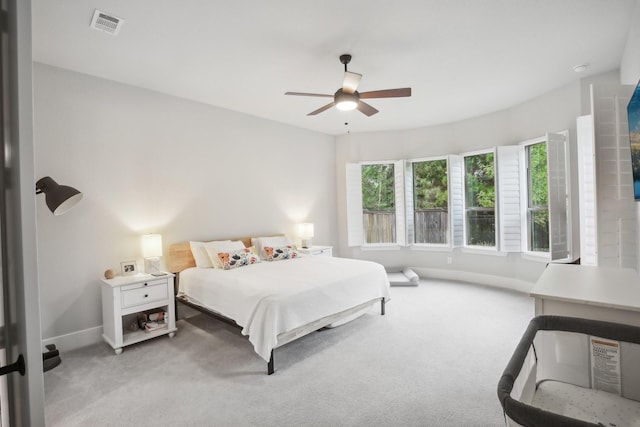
181, 258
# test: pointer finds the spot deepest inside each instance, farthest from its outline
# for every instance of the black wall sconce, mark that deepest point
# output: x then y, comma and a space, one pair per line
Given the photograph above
60, 198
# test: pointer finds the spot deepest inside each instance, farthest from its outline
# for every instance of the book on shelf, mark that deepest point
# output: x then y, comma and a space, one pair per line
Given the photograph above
154, 326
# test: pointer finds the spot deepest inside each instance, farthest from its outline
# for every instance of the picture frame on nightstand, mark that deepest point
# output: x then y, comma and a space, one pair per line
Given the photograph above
128, 268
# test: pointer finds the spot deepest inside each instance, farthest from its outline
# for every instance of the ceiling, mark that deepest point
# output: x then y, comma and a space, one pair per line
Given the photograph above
462, 58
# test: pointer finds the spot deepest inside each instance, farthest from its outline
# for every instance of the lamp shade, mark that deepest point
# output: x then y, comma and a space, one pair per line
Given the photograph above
151, 245
59, 198
305, 230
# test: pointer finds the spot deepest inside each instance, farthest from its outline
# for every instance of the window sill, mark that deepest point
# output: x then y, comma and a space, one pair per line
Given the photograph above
482, 251
431, 248
532, 256
380, 248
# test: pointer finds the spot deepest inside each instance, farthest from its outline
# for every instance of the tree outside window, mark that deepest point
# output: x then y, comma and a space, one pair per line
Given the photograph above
480, 200
538, 198
378, 203
430, 201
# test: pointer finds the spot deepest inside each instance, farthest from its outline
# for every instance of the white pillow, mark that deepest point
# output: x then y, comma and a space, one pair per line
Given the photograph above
200, 254
273, 241
213, 248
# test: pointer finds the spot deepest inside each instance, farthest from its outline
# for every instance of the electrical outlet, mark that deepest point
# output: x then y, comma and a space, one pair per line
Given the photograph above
449, 260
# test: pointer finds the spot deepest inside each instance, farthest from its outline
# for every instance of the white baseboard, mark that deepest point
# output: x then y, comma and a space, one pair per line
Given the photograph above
75, 340
482, 279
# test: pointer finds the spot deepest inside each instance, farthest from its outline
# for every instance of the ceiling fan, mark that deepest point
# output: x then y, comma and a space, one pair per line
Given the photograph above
348, 98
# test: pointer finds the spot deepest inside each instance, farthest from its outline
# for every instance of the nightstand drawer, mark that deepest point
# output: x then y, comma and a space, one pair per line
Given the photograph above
317, 251
323, 252
144, 294
144, 284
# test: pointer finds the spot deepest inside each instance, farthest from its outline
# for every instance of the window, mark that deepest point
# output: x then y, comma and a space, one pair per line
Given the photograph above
546, 218
375, 204
537, 197
430, 202
513, 198
480, 200
378, 203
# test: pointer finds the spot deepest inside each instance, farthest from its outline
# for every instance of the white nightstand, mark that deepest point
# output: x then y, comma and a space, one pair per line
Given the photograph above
317, 250
123, 297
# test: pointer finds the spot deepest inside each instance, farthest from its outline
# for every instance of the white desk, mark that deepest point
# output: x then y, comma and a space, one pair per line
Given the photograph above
600, 293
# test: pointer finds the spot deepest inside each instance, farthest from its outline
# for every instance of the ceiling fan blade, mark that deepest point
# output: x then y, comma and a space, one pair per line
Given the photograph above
321, 109
308, 94
387, 93
366, 109
351, 82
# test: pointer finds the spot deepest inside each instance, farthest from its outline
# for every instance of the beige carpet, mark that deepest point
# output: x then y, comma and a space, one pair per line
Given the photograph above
433, 360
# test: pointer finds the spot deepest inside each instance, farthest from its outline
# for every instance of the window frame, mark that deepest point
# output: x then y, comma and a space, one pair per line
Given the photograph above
355, 234
557, 213
528, 207
410, 201
465, 244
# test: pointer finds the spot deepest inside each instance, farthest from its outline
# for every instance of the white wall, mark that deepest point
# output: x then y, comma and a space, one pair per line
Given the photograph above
630, 64
554, 111
148, 162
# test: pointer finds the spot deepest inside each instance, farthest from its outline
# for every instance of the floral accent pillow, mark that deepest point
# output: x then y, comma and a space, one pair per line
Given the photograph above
239, 258
277, 254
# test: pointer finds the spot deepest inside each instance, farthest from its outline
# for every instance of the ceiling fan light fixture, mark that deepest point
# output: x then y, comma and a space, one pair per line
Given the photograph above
347, 105
346, 101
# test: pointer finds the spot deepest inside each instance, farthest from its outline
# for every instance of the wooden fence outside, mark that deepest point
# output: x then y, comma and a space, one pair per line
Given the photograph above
430, 226
379, 226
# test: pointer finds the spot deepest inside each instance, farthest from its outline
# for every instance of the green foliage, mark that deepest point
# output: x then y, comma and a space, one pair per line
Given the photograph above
430, 184
378, 188
538, 174
538, 196
480, 180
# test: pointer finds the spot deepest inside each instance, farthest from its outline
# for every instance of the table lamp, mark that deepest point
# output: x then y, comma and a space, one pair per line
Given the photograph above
305, 232
152, 251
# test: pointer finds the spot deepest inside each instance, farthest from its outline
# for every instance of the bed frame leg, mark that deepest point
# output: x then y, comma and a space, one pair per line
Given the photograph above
382, 303
270, 364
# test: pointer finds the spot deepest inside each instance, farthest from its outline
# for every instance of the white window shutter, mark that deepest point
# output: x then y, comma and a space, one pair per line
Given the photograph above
401, 233
510, 220
355, 232
408, 179
559, 231
587, 186
456, 199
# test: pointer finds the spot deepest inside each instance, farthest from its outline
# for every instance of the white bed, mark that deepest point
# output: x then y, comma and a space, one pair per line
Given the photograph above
279, 301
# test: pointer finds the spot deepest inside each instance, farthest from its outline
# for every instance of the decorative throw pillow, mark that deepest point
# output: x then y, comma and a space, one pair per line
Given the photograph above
273, 241
277, 254
235, 259
214, 250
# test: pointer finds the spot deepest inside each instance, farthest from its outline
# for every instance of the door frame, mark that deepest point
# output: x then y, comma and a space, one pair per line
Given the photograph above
20, 274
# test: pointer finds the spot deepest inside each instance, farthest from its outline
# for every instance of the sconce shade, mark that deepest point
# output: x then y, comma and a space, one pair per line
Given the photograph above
152, 245
59, 198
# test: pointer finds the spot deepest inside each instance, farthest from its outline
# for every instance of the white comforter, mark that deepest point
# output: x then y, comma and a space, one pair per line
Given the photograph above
269, 298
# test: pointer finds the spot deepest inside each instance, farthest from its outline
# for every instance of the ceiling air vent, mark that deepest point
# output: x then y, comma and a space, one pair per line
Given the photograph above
104, 22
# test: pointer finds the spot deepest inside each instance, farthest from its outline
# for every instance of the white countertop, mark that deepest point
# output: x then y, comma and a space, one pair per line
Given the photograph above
599, 286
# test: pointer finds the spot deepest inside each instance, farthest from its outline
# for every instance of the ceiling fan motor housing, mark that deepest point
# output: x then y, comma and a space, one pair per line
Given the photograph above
346, 101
